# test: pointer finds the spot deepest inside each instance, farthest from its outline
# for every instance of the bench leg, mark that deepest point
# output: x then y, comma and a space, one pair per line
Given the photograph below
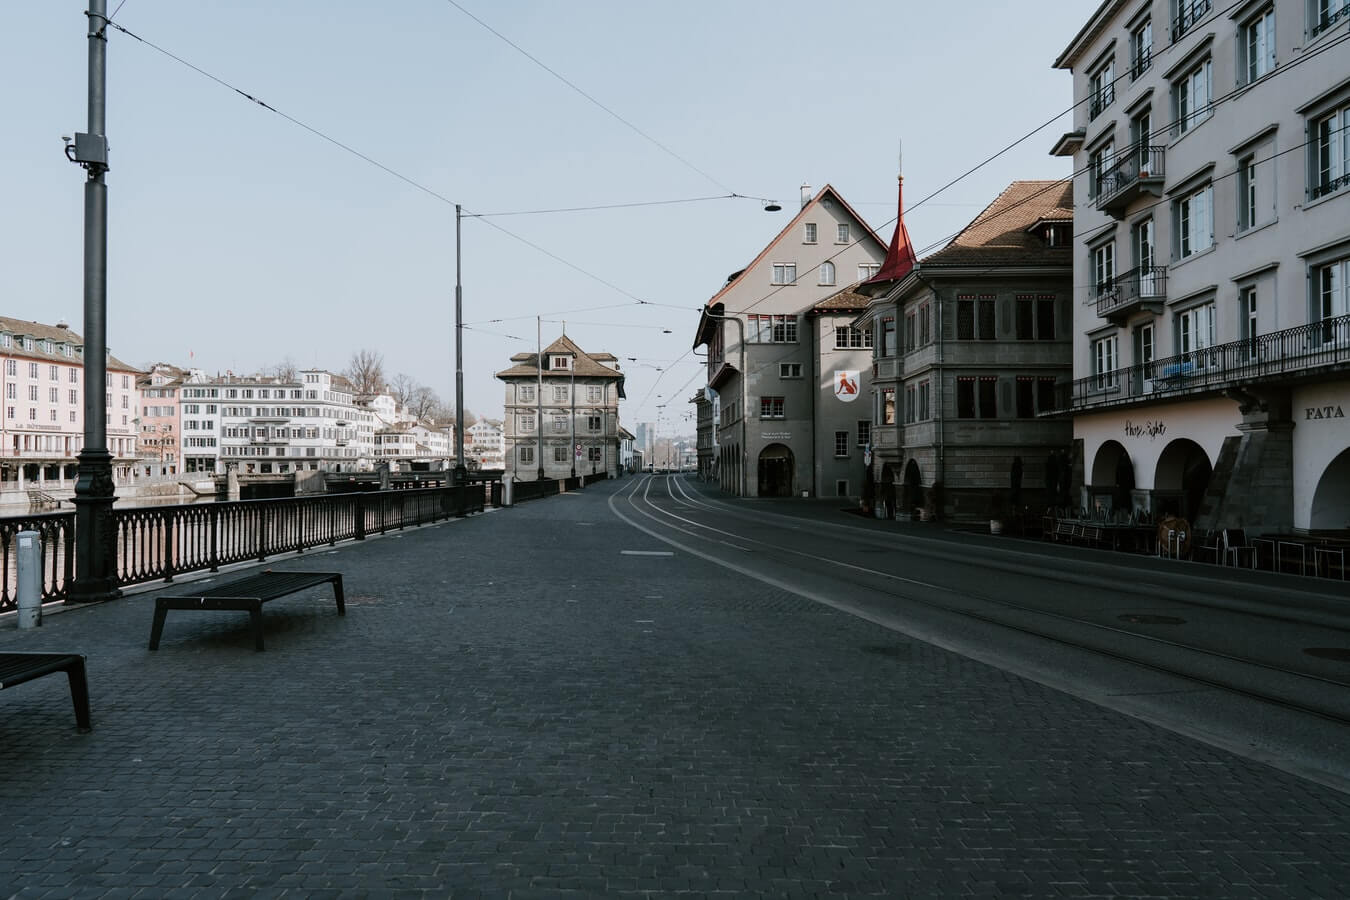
255, 613
157, 628
79, 694
339, 596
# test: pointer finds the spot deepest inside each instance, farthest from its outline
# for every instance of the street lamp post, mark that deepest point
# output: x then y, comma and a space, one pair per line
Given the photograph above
95, 544
461, 471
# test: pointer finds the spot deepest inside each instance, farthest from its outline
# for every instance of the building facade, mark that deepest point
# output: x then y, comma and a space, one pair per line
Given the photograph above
969, 345
160, 425
562, 417
1212, 261
762, 345
485, 442
42, 429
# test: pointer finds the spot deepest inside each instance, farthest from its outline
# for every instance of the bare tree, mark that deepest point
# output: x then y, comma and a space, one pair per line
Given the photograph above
285, 370
366, 371
401, 388
423, 402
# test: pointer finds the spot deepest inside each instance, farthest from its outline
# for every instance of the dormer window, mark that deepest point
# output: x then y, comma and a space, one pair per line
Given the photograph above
561, 363
1055, 234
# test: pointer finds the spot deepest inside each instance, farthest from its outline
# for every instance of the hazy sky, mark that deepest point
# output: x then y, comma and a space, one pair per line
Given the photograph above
238, 239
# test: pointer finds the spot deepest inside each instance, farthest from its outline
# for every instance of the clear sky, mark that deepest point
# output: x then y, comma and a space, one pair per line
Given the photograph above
238, 239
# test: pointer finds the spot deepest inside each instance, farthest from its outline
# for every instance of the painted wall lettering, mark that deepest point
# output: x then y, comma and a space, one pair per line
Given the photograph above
1323, 412
1153, 428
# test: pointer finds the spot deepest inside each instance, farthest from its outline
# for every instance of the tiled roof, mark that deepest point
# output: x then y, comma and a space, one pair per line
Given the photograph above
57, 335
1000, 236
586, 365
847, 299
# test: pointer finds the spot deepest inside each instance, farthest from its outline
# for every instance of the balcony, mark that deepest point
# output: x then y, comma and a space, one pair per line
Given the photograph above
1188, 15
1144, 287
1308, 351
1137, 170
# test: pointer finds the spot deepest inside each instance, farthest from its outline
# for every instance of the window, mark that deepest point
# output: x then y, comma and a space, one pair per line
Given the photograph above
975, 397
595, 393
1191, 96
54, 374
924, 391
911, 403
925, 324
1102, 87
1103, 269
841, 444
1331, 152
593, 454
1104, 362
827, 272
1246, 193
841, 233
560, 424
560, 362
51, 395
1326, 13
1141, 49
810, 236
1196, 328
12, 391
864, 432
560, 393
888, 336
1194, 220
911, 330
1256, 47
771, 329
1185, 13
1035, 394
784, 273
560, 454
888, 406
1035, 317
526, 454
841, 487
1098, 165
1247, 312
526, 393
789, 370
593, 423
848, 338
867, 271
12, 367
1333, 297
32, 392
33, 370
771, 407
525, 424
974, 317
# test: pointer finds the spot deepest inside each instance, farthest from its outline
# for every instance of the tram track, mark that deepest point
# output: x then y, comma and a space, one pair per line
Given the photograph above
1300, 691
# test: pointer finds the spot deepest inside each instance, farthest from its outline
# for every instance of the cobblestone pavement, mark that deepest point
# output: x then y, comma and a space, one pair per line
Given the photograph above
513, 707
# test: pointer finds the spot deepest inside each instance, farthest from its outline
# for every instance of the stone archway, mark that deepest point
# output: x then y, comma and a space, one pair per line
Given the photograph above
1113, 475
1181, 478
775, 471
1331, 499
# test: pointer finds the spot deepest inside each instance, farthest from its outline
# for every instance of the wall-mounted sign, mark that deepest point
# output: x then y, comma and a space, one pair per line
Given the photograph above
775, 435
1153, 428
846, 385
1322, 412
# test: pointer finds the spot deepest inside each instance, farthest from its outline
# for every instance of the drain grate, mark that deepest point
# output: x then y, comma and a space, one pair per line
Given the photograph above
1150, 619
1340, 654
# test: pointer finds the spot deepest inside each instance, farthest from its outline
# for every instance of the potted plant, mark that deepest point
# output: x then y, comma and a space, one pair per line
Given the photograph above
998, 509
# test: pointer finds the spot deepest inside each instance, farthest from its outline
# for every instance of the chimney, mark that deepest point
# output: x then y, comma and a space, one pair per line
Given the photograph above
806, 195
63, 325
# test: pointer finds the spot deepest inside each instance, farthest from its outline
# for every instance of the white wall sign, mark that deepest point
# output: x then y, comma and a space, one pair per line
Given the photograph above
846, 384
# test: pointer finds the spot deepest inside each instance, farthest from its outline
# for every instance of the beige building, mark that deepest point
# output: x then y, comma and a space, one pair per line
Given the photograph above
42, 429
562, 417
1212, 260
777, 352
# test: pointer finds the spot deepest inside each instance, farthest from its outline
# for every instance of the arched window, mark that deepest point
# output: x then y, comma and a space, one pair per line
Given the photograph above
827, 273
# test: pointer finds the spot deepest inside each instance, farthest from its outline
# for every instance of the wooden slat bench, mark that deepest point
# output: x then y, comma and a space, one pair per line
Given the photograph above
16, 668
247, 595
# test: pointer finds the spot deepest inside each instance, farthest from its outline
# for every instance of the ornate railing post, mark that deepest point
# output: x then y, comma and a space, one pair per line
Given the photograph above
168, 547
360, 516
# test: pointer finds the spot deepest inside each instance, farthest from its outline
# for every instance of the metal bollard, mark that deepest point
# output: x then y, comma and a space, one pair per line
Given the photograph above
506, 491
29, 559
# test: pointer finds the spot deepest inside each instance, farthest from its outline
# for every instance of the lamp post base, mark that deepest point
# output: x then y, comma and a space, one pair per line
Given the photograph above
95, 531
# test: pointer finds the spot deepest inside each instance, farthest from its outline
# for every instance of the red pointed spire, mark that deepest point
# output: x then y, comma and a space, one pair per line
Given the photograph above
900, 257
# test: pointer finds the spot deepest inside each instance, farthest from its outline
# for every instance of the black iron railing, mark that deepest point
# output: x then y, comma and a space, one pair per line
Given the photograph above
160, 542
1133, 163
1280, 353
1187, 15
1329, 186
533, 490
1101, 100
1142, 62
1329, 20
1140, 284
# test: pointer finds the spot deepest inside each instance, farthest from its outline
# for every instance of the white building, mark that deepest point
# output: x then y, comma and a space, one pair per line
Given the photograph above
485, 442
1212, 260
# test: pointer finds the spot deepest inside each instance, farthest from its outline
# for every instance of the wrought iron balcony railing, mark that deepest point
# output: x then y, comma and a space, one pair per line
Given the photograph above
1143, 284
1188, 15
1330, 186
1280, 354
1142, 62
1330, 20
1101, 100
1137, 168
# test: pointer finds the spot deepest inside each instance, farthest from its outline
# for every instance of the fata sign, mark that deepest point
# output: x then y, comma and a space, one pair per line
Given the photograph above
846, 385
1322, 412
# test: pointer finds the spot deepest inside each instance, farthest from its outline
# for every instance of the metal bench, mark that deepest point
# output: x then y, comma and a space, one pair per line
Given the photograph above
16, 668
247, 595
